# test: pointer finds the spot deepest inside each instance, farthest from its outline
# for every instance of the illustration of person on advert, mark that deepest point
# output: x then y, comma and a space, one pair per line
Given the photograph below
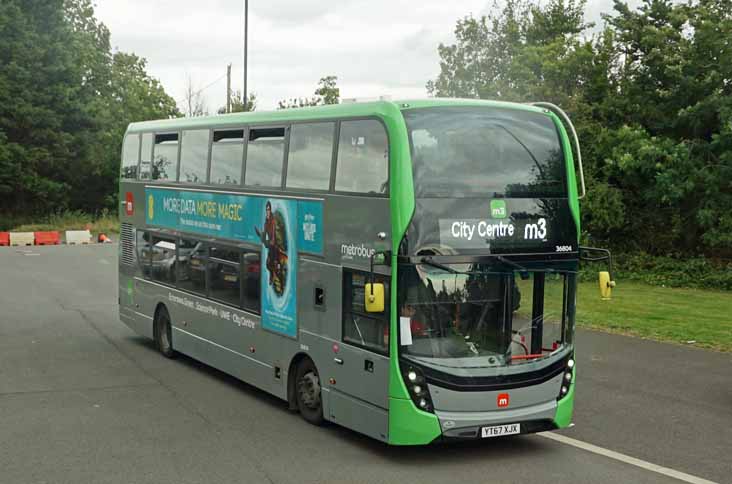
274, 238
279, 252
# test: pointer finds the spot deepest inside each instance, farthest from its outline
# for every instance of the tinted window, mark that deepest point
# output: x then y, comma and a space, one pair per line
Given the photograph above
225, 275
146, 156
368, 330
143, 252
194, 156
265, 154
310, 155
227, 153
192, 260
250, 278
165, 157
363, 156
163, 255
487, 152
130, 156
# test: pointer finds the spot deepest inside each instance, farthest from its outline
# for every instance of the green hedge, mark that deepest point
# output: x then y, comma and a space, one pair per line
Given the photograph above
696, 272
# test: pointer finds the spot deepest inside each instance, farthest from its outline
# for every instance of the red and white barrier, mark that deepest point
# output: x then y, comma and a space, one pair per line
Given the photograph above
47, 238
22, 238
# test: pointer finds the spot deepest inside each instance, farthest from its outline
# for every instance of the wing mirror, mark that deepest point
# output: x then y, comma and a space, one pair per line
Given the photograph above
374, 293
605, 279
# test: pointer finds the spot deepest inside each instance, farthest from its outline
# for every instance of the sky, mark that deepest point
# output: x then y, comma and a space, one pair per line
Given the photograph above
375, 47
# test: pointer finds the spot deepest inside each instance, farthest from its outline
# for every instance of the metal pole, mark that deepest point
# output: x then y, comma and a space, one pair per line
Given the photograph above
228, 88
246, 32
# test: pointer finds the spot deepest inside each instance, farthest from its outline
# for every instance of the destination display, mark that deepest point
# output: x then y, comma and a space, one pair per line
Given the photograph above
475, 226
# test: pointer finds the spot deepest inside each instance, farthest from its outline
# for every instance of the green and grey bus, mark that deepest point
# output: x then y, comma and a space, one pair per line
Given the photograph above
404, 269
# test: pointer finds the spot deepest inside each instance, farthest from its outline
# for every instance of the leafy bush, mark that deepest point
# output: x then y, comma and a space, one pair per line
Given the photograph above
696, 272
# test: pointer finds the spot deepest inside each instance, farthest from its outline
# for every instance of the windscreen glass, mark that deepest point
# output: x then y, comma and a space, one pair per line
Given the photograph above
473, 315
479, 152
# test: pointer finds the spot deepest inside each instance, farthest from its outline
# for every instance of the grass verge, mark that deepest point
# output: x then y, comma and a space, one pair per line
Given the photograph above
667, 314
74, 220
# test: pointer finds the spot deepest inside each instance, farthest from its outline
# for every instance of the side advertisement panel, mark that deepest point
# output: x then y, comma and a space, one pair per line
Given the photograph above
281, 227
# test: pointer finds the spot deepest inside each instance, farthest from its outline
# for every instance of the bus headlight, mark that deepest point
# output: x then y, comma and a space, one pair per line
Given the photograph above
567, 378
417, 386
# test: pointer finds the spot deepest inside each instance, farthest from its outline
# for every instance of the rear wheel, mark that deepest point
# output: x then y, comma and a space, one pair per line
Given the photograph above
164, 333
307, 392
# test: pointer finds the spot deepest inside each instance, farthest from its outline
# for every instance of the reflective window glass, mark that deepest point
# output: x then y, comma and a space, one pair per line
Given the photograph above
265, 154
130, 156
368, 330
146, 156
194, 156
163, 256
227, 153
165, 157
192, 260
250, 279
310, 155
363, 158
225, 275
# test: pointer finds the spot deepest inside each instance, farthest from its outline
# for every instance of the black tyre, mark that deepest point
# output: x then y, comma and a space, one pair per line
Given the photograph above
307, 392
164, 333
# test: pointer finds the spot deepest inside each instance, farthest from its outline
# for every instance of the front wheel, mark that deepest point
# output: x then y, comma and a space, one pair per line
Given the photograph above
163, 333
307, 392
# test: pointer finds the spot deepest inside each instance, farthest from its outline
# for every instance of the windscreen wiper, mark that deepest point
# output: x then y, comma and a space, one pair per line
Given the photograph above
511, 263
437, 265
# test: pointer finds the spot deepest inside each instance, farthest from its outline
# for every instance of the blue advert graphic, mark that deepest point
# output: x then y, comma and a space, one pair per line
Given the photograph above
310, 226
281, 227
279, 270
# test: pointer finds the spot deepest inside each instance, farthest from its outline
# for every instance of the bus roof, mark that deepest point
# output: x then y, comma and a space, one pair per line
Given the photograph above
357, 109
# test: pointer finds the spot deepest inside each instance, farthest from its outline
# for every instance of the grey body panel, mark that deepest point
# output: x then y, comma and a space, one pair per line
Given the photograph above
250, 353
461, 414
457, 424
454, 401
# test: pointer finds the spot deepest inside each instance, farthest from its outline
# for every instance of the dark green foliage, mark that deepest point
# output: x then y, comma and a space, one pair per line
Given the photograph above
697, 272
326, 93
651, 96
65, 101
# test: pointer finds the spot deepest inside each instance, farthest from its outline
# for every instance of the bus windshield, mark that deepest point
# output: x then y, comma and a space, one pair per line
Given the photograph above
478, 152
474, 315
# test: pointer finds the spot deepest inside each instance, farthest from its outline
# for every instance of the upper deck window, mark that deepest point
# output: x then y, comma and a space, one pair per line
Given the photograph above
485, 152
363, 158
130, 156
265, 155
194, 156
310, 156
227, 153
146, 156
165, 156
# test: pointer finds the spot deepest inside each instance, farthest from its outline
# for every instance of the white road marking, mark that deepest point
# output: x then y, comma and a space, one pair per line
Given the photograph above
625, 458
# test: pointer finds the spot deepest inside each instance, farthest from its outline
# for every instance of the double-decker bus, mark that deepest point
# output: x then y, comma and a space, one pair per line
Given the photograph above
404, 269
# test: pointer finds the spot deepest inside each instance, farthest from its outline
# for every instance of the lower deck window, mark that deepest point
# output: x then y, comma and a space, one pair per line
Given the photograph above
367, 330
192, 260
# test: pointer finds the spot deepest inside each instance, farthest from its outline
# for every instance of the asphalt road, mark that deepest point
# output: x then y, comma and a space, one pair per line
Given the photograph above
84, 400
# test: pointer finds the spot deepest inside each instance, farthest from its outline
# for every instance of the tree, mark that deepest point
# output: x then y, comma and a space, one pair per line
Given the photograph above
326, 93
650, 95
194, 101
65, 102
237, 103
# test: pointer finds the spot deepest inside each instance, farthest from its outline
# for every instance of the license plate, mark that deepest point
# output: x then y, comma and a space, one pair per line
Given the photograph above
230, 278
500, 430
